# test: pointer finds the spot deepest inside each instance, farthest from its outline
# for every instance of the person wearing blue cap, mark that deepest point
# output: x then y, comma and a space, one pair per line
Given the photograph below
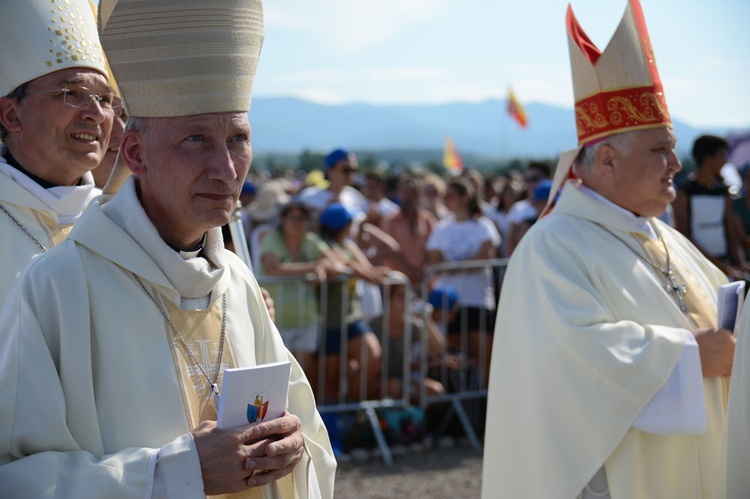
341, 166
444, 301
335, 222
536, 171
538, 201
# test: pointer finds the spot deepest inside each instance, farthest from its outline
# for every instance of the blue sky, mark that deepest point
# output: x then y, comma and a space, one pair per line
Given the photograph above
430, 51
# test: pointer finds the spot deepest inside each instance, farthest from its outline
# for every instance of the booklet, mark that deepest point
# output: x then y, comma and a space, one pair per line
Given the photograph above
253, 394
731, 299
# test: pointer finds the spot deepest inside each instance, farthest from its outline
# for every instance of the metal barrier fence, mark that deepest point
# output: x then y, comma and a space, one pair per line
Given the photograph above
462, 367
343, 380
331, 296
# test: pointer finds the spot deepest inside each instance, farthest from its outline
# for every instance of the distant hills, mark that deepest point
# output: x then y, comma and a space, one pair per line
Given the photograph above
482, 132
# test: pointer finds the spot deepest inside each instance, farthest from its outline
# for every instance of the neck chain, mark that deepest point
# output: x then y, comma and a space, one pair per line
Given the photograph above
677, 290
24, 229
212, 384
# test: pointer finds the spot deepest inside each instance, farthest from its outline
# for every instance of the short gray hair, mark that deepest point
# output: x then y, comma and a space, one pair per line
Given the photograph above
622, 142
139, 124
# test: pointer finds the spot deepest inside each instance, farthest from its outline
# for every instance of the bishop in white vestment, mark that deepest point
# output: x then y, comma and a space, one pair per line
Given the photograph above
609, 376
48, 143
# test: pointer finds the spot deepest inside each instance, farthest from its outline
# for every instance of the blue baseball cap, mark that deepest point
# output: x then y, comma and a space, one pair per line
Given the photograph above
541, 191
249, 188
335, 156
443, 297
335, 217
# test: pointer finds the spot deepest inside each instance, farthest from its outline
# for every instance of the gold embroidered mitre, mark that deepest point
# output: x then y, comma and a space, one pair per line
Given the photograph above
44, 36
619, 89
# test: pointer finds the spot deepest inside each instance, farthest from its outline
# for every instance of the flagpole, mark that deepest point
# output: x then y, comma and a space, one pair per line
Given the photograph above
504, 134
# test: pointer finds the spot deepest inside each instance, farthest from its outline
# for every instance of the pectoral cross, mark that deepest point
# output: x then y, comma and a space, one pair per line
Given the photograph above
215, 390
676, 289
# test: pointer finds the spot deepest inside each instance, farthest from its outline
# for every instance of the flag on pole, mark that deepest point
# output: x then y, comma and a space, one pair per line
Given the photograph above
516, 110
451, 159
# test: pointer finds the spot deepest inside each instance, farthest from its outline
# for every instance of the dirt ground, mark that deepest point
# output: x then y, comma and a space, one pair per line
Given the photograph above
442, 470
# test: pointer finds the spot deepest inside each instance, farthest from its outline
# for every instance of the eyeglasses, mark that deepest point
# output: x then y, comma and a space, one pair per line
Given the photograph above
533, 178
81, 97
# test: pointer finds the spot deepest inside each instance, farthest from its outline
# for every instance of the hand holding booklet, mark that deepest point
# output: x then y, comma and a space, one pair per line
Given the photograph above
731, 299
253, 394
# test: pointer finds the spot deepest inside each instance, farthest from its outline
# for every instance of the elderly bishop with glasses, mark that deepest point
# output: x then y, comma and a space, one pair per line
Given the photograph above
56, 113
115, 344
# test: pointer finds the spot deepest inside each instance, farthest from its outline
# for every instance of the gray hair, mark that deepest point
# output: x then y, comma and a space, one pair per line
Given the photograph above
139, 124
621, 142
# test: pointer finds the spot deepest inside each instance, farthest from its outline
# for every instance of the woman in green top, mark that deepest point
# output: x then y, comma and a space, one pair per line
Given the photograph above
293, 250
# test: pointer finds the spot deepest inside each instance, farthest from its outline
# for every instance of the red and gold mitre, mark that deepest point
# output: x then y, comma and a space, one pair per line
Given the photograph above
619, 89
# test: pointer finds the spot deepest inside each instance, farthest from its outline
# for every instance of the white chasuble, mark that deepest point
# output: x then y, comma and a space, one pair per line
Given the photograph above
92, 388
586, 335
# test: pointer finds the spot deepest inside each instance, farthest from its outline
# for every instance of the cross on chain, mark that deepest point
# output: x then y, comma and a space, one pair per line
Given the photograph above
676, 289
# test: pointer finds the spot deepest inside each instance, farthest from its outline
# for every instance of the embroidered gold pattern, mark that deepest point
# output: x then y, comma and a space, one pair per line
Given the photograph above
622, 109
72, 39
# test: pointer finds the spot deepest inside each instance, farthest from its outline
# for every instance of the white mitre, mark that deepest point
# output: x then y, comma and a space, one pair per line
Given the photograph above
38, 37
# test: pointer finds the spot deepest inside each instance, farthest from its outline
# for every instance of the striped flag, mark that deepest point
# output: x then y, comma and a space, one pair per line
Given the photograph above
451, 159
516, 110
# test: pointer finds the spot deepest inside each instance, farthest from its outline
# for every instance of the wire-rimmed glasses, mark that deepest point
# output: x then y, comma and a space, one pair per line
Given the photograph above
80, 97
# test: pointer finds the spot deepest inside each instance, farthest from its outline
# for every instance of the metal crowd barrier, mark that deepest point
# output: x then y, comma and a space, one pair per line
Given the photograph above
465, 379
344, 403
463, 385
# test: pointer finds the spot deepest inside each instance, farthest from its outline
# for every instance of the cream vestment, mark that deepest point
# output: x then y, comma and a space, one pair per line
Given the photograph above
94, 395
586, 335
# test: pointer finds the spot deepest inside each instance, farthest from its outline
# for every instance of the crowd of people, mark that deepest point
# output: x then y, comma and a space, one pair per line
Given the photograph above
123, 301
366, 224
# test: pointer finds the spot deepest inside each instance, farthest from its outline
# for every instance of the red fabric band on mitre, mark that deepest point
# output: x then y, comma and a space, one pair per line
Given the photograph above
620, 110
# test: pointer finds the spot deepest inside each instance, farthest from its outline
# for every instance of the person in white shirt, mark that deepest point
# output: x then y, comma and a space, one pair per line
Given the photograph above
466, 236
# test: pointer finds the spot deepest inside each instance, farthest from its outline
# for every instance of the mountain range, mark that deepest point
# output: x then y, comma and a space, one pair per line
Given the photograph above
481, 131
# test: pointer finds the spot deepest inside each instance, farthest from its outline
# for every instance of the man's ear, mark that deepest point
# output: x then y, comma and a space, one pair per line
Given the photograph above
131, 150
605, 159
9, 114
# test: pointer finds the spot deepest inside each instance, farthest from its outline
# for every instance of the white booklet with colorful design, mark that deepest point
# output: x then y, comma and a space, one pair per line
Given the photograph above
253, 394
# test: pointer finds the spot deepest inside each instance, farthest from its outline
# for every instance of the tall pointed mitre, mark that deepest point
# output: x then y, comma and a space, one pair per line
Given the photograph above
181, 58
617, 90
39, 37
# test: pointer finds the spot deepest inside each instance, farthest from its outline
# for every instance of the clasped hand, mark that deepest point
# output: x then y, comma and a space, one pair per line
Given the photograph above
248, 456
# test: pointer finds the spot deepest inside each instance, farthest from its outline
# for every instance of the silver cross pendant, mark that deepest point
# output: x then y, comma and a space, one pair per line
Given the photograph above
215, 390
676, 289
